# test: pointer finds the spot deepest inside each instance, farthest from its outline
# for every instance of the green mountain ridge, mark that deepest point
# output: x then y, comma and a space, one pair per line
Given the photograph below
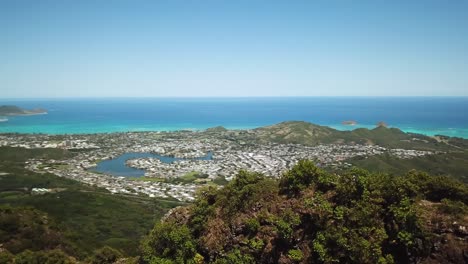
300, 132
312, 216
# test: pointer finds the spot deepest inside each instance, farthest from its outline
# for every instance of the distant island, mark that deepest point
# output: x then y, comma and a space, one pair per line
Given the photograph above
12, 110
349, 123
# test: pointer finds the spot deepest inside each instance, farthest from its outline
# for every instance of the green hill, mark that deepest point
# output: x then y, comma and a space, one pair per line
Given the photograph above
217, 129
10, 110
299, 132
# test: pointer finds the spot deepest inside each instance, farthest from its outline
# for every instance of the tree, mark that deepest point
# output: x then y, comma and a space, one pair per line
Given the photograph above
303, 175
169, 241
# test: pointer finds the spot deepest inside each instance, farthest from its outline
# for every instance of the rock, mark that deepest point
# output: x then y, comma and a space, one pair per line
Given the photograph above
419, 244
461, 230
436, 246
382, 124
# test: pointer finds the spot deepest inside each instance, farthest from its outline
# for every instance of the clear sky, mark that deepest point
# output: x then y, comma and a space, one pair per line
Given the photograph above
68, 48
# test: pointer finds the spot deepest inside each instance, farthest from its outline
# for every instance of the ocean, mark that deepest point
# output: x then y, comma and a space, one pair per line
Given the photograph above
425, 115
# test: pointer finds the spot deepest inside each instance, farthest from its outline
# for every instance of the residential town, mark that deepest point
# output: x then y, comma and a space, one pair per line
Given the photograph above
212, 155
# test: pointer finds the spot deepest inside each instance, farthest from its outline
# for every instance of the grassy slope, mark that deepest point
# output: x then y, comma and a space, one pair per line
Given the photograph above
454, 164
296, 132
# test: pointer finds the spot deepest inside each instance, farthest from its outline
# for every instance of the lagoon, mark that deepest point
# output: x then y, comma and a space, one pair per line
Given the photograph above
118, 167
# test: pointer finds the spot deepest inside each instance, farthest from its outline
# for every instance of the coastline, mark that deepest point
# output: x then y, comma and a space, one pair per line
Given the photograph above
83, 116
106, 129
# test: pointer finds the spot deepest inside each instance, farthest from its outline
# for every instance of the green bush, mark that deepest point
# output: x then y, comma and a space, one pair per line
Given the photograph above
202, 209
256, 244
303, 175
246, 189
105, 255
295, 255
6, 257
56, 256
252, 225
235, 257
169, 241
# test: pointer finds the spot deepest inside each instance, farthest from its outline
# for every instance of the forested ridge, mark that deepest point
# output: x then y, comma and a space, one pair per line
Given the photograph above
313, 216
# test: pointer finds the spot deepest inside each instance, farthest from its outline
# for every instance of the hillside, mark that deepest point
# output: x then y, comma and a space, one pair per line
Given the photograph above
452, 164
217, 129
299, 132
311, 216
71, 217
11, 110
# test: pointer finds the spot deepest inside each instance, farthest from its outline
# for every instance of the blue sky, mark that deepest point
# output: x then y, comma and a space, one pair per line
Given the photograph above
233, 48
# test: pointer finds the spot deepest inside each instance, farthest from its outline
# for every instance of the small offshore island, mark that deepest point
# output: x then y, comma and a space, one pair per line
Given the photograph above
12, 110
349, 123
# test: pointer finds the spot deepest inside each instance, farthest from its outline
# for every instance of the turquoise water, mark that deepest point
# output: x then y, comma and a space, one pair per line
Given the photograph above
118, 167
426, 115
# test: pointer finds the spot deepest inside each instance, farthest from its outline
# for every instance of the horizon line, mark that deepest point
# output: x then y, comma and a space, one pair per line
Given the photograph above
236, 97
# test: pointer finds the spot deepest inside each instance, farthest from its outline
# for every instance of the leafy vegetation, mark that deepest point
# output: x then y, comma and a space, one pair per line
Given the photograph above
55, 256
189, 178
105, 255
169, 241
310, 216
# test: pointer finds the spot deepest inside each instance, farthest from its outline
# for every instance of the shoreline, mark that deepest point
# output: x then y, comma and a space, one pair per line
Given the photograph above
87, 116
26, 114
449, 132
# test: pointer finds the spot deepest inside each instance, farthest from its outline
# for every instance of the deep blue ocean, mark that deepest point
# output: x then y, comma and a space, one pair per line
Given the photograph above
426, 115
